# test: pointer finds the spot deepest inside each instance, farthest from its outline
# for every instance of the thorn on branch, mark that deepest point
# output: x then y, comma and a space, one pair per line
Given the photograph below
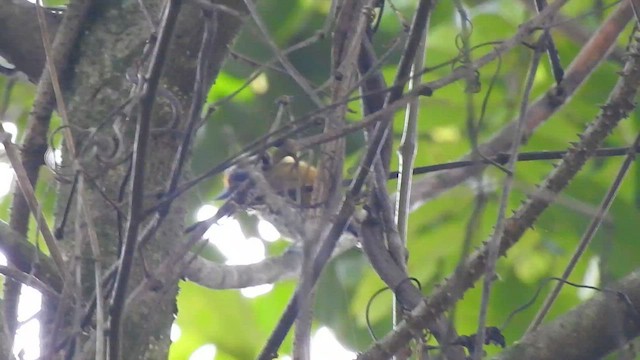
426, 91
493, 336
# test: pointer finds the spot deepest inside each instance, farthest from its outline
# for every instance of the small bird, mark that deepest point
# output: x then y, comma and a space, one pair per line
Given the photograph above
281, 198
277, 188
287, 177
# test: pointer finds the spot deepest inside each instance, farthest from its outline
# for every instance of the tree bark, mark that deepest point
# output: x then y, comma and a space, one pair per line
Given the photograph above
590, 331
112, 44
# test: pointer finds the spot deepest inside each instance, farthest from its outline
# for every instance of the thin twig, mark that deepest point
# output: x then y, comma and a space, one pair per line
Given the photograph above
30, 280
268, 65
502, 159
97, 270
57, 54
54, 77
494, 243
194, 117
552, 50
407, 151
293, 72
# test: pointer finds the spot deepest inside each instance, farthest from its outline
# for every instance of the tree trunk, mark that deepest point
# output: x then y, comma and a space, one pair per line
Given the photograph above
110, 46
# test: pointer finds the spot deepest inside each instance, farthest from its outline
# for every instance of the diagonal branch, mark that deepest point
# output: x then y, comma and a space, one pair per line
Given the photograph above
27, 258
494, 244
596, 221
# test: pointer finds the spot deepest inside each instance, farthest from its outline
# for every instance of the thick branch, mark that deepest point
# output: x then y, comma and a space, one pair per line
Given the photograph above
24, 256
590, 331
218, 276
20, 41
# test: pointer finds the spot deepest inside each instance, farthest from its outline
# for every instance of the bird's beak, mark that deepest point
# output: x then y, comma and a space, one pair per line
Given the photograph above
224, 195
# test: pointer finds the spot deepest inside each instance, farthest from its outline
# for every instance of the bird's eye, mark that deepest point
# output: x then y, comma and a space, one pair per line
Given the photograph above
238, 177
265, 159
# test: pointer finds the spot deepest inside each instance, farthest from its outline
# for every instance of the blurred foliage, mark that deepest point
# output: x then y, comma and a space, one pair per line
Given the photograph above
239, 326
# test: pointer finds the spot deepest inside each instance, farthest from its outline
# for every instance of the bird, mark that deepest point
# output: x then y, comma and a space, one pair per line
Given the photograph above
277, 188
286, 176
